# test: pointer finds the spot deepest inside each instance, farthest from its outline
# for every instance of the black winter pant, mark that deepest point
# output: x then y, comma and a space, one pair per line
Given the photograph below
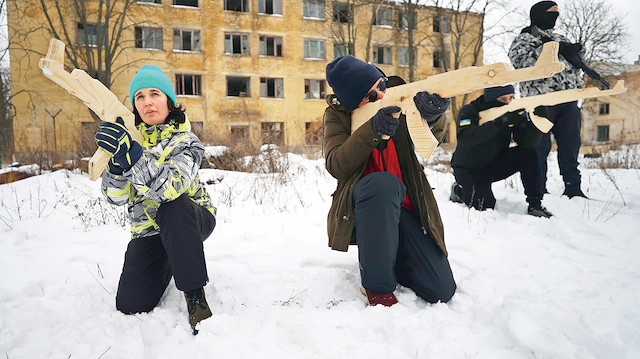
150, 262
392, 245
476, 184
567, 123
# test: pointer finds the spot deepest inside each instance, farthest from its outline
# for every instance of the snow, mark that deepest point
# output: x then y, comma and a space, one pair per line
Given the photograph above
565, 287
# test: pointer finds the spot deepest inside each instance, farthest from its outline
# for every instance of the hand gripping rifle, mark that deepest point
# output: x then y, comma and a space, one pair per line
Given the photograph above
575, 59
454, 83
94, 94
549, 99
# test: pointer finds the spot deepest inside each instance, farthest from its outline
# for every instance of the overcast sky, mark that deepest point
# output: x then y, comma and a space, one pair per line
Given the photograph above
495, 50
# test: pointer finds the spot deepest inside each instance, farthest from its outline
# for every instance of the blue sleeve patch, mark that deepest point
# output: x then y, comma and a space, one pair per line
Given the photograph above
465, 122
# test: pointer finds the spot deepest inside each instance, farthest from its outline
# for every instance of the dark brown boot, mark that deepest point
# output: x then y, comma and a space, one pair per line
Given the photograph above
197, 307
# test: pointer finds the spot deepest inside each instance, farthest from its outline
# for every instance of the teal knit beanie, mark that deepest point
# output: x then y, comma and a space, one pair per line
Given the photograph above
151, 76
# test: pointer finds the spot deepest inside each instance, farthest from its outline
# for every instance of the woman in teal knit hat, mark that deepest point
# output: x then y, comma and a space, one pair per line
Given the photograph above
170, 210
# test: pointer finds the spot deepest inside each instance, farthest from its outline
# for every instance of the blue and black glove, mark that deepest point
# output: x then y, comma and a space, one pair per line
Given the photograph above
431, 106
383, 123
114, 168
114, 138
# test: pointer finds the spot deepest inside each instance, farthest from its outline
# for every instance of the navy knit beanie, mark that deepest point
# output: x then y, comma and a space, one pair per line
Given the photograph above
493, 93
151, 76
351, 79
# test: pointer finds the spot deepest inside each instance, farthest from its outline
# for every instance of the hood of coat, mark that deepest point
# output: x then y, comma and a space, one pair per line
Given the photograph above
154, 134
334, 102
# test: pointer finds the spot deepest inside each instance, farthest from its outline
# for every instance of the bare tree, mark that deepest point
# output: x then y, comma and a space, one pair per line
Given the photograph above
6, 118
595, 25
100, 26
461, 32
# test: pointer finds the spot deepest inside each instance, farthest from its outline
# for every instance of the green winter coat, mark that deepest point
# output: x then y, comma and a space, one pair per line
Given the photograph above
346, 157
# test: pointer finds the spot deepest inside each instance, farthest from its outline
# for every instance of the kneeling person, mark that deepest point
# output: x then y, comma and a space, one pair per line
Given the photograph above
383, 202
483, 154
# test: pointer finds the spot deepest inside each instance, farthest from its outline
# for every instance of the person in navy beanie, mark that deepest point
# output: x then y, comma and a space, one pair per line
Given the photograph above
170, 210
383, 202
484, 153
566, 117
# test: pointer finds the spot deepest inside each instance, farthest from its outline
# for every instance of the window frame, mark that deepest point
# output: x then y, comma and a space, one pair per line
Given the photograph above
384, 55
601, 132
384, 22
306, 6
196, 84
149, 2
173, 3
263, 45
244, 5
343, 17
400, 57
403, 20
142, 39
307, 49
344, 46
243, 36
192, 31
271, 133
604, 109
322, 89
278, 87
262, 4
247, 81
80, 32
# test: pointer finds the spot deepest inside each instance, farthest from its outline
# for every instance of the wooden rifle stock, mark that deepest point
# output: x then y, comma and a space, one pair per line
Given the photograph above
94, 94
549, 99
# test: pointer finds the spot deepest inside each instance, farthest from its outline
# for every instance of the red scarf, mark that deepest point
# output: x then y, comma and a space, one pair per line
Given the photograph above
387, 161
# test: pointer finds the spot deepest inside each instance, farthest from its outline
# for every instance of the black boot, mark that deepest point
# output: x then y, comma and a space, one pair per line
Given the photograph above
456, 193
197, 307
573, 192
538, 210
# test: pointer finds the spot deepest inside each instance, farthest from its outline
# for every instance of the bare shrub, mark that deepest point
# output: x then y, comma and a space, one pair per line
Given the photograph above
618, 156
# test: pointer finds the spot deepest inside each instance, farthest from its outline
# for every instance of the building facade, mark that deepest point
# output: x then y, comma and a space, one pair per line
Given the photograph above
614, 118
251, 69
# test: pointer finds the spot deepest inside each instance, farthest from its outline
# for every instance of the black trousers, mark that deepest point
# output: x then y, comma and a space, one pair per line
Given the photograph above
392, 245
476, 184
150, 262
567, 123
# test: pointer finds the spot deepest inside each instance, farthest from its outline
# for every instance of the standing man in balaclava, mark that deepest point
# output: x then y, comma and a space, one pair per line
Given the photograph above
566, 118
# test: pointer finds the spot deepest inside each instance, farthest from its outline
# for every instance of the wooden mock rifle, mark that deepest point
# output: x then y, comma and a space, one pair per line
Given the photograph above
549, 99
454, 83
94, 94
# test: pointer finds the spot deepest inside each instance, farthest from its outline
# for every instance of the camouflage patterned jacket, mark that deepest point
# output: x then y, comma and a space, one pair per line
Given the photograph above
167, 169
524, 52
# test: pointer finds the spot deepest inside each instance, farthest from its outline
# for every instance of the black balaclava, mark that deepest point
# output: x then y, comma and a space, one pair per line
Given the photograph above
541, 18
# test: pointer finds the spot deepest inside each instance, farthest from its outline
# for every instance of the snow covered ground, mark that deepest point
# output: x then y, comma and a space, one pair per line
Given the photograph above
565, 287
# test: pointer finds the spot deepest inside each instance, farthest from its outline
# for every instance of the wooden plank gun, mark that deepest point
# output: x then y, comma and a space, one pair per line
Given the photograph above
548, 99
454, 83
94, 94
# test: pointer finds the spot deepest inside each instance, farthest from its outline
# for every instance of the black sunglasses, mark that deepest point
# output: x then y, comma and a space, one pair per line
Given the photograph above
372, 96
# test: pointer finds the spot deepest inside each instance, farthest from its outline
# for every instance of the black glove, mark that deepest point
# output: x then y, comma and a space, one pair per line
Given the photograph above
513, 118
383, 123
431, 106
568, 49
541, 111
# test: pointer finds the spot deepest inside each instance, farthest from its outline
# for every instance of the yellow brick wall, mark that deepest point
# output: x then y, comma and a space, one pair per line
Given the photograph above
37, 99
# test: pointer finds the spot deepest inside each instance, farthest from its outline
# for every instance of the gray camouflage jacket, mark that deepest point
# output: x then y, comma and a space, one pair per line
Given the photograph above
167, 169
524, 52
